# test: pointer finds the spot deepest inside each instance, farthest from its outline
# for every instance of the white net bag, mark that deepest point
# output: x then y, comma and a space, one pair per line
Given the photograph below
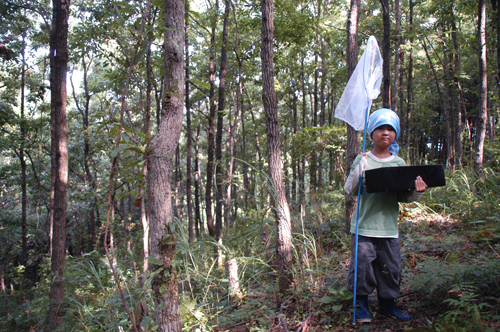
362, 88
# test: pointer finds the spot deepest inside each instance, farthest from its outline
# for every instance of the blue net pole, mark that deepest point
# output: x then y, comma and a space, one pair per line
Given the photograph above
357, 223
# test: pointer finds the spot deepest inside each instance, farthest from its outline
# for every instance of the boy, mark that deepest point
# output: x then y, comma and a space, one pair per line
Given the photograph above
379, 255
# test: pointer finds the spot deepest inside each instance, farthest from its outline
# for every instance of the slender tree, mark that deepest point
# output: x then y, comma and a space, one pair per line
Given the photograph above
456, 88
386, 54
409, 81
397, 55
282, 211
59, 155
22, 160
211, 128
483, 92
147, 131
352, 135
189, 135
220, 128
163, 147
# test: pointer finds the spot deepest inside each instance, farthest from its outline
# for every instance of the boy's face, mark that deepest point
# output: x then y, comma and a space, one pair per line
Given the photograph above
383, 136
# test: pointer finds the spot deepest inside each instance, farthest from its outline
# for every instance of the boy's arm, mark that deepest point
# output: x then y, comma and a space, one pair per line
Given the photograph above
352, 181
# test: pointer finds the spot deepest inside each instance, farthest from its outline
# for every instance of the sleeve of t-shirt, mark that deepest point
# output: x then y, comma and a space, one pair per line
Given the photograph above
352, 182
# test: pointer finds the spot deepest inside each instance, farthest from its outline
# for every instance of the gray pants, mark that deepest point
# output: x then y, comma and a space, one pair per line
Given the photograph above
379, 266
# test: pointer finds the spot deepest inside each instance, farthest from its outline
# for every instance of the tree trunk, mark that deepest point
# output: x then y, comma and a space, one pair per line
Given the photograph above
399, 39
302, 170
497, 16
295, 160
455, 91
86, 155
220, 128
409, 82
233, 279
352, 135
313, 162
322, 109
231, 140
401, 100
59, 154
239, 91
164, 145
483, 95
22, 160
386, 54
446, 106
189, 136
147, 131
200, 229
211, 133
282, 212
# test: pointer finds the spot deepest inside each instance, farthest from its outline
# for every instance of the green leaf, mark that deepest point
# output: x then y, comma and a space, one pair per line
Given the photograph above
155, 261
336, 308
201, 84
327, 299
114, 130
452, 258
119, 149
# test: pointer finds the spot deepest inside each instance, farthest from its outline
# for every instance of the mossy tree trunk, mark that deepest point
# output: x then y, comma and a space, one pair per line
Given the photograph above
164, 145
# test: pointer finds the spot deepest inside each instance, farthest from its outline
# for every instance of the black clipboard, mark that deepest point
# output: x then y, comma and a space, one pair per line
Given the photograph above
402, 178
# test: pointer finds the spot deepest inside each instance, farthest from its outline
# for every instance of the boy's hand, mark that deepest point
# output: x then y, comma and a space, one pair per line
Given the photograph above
420, 185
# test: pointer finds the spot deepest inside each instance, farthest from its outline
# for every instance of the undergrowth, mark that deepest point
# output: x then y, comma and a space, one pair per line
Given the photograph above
451, 272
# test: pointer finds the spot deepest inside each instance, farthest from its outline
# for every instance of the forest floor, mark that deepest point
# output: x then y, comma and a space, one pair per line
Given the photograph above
439, 255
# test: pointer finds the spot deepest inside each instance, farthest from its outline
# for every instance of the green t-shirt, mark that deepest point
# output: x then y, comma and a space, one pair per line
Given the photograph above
378, 212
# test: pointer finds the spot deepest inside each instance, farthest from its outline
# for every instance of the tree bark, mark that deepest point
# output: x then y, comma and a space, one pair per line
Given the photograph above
282, 212
164, 145
302, 164
313, 162
200, 229
409, 82
189, 137
219, 204
399, 40
483, 95
22, 160
211, 132
352, 135
59, 155
455, 91
322, 109
86, 155
386, 54
233, 279
147, 131
446, 105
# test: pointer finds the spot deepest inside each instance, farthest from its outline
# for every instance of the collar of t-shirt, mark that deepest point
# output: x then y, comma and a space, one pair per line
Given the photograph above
381, 160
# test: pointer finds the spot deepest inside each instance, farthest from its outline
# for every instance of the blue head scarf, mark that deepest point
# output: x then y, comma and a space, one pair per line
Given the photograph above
385, 116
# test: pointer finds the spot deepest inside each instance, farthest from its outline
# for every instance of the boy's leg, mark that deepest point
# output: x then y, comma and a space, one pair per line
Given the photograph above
388, 273
365, 279
388, 267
